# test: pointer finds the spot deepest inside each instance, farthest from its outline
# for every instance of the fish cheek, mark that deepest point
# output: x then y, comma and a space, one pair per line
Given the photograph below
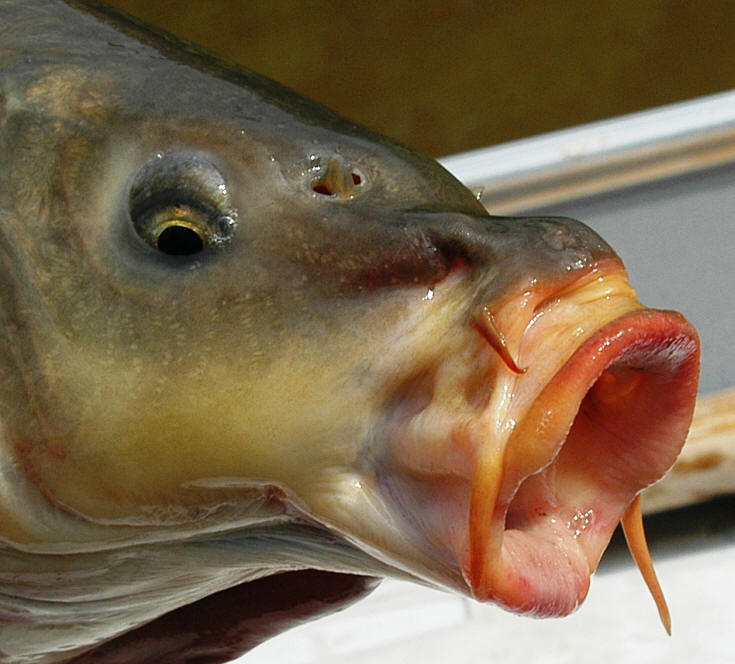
127, 438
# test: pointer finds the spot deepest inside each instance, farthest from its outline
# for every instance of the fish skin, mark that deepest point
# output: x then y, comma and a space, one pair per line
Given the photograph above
224, 413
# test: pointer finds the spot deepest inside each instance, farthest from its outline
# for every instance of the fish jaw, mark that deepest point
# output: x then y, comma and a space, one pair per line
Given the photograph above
591, 400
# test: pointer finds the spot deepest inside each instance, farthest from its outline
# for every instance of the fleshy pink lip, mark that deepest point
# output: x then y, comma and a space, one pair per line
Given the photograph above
613, 420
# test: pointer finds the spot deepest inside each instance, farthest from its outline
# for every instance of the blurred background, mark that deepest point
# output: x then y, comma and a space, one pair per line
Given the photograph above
444, 77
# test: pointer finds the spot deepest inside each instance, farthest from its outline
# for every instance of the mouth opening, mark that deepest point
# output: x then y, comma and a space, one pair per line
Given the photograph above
611, 422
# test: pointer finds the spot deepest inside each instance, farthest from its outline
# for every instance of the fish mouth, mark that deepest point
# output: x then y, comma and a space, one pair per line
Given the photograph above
610, 421
517, 457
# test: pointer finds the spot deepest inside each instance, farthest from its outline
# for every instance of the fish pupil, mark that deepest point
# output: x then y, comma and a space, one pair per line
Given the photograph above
179, 241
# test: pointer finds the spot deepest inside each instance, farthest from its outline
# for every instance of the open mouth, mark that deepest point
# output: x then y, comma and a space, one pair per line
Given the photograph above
608, 423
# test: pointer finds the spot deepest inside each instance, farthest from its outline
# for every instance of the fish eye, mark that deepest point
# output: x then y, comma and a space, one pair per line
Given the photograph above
179, 204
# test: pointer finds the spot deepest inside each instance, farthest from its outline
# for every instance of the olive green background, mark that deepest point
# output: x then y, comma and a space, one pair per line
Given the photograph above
445, 77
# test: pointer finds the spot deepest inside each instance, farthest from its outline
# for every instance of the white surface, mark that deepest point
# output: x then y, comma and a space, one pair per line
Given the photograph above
598, 140
618, 623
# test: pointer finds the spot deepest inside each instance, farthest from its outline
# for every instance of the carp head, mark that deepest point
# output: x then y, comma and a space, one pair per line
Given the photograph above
244, 336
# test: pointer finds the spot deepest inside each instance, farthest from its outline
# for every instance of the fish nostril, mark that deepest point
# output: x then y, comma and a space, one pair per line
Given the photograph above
338, 180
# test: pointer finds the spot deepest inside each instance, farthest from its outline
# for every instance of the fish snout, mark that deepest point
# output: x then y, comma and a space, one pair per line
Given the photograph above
514, 252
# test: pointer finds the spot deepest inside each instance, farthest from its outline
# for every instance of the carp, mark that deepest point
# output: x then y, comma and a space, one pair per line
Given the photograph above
255, 356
